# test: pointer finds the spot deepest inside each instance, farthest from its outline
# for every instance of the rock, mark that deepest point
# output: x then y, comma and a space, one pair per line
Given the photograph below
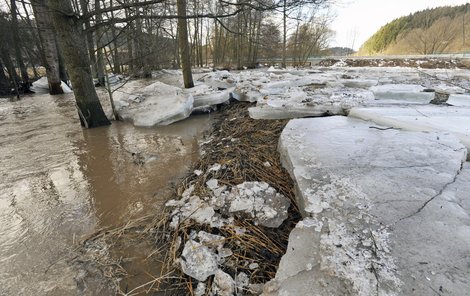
402, 93
421, 118
223, 285
368, 200
462, 100
198, 261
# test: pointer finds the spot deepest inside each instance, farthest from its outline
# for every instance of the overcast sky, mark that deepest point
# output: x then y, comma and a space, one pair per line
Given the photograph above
357, 20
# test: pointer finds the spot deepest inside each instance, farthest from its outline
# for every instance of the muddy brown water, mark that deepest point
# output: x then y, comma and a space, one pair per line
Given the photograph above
59, 182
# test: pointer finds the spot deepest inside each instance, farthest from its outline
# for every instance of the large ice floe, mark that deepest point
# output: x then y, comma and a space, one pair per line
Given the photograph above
157, 103
286, 93
462, 100
41, 86
386, 212
406, 93
455, 120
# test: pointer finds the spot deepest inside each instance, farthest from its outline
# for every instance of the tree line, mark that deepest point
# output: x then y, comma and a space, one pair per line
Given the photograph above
78, 40
431, 31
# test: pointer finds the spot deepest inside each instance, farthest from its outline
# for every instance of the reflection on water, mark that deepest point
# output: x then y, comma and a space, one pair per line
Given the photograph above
59, 182
133, 168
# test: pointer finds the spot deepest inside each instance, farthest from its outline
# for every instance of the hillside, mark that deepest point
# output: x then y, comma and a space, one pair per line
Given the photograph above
438, 30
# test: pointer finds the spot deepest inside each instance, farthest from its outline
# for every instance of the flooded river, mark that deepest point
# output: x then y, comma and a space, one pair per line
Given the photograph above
59, 182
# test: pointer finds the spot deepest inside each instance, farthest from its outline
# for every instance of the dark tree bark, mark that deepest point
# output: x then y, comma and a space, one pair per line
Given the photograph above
4, 82
130, 50
5, 56
99, 48
184, 44
47, 36
89, 38
17, 45
62, 69
284, 35
70, 36
116, 57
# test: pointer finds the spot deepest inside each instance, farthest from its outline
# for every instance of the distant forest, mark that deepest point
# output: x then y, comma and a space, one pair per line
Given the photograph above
431, 31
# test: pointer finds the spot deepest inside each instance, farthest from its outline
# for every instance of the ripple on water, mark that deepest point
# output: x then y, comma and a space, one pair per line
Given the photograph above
59, 182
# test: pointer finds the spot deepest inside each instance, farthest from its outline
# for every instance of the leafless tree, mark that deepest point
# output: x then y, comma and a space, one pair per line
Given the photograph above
434, 38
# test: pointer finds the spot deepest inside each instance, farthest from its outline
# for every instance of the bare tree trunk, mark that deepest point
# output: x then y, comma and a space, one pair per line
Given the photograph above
62, 69
201, 38
47, 36
5, 56
39, 54
239, 42
99, 48
138, 43
70, 37
16, 44
116, 57
130, 50
4, 83
184, 45
89, 38
284, 40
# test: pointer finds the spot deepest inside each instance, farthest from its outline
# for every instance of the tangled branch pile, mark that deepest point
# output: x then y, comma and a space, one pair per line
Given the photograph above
246, 150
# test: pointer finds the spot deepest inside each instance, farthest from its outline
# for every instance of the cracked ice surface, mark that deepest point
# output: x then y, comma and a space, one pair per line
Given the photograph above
445, 264
359, 188
455, 120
